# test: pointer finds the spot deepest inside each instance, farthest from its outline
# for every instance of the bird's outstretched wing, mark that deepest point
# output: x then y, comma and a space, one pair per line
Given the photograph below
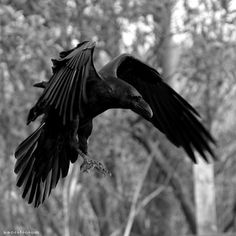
66, 90
172, 115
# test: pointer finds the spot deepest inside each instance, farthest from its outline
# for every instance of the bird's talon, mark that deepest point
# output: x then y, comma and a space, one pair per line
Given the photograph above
92, 164
102, 169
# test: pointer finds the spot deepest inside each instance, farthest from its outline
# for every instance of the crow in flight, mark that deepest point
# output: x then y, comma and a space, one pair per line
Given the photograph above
75, 94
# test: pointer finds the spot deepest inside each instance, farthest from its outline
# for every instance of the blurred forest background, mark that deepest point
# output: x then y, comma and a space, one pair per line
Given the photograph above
151, 191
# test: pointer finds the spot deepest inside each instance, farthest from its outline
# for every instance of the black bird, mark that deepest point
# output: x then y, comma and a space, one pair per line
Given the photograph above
75, 94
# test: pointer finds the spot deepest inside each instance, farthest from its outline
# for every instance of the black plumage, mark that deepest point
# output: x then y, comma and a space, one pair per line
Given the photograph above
75, 94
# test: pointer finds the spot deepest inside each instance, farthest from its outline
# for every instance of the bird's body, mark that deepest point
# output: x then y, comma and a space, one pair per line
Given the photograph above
75, 94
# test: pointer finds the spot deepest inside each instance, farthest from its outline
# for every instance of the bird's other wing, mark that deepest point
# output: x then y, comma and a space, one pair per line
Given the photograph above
172, 115
66, 89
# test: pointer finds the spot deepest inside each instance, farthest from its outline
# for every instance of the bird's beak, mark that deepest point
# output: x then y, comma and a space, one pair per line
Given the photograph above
143, 109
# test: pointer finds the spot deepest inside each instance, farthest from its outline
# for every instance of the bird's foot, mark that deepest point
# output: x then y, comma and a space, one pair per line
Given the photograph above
93, 164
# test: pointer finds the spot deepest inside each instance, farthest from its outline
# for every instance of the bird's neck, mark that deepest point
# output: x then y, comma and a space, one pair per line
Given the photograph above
99, 99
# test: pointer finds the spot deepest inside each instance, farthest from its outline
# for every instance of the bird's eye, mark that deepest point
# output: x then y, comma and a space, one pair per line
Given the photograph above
137, 98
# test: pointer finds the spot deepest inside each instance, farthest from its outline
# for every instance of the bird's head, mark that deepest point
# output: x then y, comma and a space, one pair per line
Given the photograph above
130, 98
126, 96
137, 104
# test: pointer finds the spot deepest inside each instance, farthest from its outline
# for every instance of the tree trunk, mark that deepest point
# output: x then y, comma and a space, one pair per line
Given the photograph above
170, 50
71, 189
205, 197
204, 179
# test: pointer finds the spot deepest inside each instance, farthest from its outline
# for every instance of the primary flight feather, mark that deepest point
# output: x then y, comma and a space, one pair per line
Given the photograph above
75, 94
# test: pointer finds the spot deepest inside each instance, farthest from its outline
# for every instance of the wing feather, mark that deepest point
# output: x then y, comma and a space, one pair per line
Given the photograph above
71, 72
73, 95
172, 114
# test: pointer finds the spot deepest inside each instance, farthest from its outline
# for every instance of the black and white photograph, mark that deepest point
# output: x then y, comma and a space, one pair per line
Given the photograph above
118, 118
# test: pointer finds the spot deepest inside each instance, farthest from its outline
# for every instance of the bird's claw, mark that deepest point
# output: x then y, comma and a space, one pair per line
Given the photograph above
92, 164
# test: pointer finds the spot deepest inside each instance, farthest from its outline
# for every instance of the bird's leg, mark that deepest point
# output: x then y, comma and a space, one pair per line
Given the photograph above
79, 143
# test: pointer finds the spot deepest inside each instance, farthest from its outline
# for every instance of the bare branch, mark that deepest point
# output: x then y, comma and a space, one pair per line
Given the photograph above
132, 212
175, 181
149, 198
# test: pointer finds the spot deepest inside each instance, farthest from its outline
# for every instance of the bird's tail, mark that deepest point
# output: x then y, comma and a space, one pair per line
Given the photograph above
41, 161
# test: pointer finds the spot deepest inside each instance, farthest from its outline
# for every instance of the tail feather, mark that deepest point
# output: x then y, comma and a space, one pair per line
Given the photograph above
40, 163
24, 172
27, 184
46, 191
23, 159
33, 190
64, 156
27, 143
